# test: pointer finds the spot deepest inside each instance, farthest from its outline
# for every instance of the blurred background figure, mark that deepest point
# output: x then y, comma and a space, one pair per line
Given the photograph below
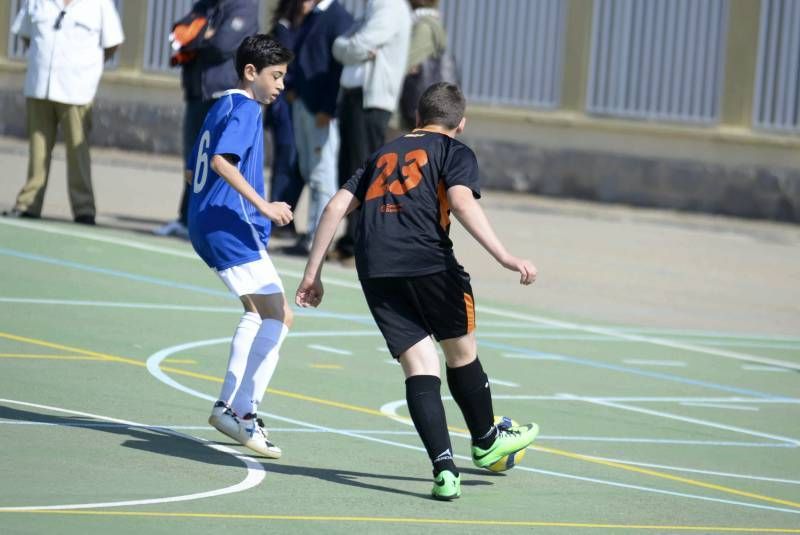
67, 44
374, 53
207, 68
314, 92
286, 183
428, 62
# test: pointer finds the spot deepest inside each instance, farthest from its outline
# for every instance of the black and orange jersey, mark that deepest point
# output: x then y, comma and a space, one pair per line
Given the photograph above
403, 223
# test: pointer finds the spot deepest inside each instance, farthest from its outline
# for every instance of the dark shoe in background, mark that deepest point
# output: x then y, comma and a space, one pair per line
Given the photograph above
16, 213
84, 219
298, 249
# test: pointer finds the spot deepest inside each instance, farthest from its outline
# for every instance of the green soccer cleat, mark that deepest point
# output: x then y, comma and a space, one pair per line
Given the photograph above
510, 439
446, 486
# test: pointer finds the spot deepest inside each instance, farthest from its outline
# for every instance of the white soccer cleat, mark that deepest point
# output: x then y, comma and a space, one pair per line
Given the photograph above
224, 420
252, 435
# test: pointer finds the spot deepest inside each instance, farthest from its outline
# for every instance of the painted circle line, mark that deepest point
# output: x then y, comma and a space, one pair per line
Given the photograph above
255, 470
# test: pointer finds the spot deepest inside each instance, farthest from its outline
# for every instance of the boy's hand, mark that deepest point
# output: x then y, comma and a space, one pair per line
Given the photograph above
525, 268
309, 293
279, 213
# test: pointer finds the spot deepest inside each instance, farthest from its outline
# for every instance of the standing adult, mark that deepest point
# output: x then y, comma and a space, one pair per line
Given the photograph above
314, 91
68, 42
374, 53
209, 71
428, 39
286, 183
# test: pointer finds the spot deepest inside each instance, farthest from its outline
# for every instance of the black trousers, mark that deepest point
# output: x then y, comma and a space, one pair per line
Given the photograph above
362, 131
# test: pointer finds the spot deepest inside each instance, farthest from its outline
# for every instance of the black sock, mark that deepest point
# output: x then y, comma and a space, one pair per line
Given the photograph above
469, 386
427, 412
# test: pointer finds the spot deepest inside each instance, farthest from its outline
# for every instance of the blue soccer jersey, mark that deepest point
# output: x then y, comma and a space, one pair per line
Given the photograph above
226, 229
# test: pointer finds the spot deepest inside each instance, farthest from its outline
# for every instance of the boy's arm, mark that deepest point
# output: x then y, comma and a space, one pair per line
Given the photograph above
310, 290
470, 214
279, 213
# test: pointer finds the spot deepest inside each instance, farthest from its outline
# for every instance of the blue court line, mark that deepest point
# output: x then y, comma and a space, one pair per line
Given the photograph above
365, 320
495, 345
626, 369
112, 272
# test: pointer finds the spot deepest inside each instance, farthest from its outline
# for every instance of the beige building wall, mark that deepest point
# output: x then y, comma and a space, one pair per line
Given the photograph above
733, 142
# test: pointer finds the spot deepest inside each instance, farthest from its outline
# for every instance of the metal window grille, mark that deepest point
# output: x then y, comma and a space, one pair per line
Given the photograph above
161, 14
776, 103
509, 52
16, 48
660, 59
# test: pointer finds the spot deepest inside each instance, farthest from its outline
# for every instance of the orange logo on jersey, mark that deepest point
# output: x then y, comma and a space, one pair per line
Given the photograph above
411, 172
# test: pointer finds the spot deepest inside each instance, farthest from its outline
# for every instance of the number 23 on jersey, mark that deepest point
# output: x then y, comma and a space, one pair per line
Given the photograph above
411, 172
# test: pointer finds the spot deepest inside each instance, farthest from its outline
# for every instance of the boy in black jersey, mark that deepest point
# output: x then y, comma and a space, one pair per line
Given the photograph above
413, 284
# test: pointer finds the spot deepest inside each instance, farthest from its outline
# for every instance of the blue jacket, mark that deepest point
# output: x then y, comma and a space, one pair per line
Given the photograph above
315, 73
214, 69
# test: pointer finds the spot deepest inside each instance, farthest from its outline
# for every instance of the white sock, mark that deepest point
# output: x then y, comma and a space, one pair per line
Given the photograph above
241, 343
261, 362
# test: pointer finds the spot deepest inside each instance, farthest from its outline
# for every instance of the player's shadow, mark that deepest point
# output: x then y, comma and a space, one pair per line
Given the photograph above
164, 442
362, 479
148, 439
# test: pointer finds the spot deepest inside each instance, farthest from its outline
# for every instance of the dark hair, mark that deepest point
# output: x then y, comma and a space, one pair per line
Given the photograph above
415, 4
291, 10
442, 104
262, 51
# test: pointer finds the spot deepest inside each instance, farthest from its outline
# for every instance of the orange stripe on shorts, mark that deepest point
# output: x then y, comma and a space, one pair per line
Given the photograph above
470, 306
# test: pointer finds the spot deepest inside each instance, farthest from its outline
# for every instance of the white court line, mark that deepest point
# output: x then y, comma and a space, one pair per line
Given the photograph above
329, 349
494, 381
524, 356
489, 310
153, 366
623, 440
720, 406
394, 362
697, 471
255, 470
697, 421
147, 247
390, 410
644, 339
756, 368
665, 363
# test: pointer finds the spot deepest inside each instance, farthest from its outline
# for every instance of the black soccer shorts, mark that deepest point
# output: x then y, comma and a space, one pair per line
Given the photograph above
407, 309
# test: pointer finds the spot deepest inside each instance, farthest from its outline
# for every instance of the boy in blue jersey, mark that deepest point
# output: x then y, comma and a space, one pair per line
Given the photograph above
229, 226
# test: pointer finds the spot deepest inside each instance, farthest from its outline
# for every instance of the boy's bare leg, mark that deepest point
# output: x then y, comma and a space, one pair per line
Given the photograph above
421, 359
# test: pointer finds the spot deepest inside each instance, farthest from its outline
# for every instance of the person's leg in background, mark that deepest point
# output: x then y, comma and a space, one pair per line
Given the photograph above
76, 123
353, 152
193, 116
286, 183
318, 165
42, 122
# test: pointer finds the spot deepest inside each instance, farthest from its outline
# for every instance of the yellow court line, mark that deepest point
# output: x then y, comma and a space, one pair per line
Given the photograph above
686, 480
402, 520
47, 357
181, 361
374, 412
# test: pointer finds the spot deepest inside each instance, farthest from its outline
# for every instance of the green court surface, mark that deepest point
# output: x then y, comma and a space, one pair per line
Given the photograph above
112, 349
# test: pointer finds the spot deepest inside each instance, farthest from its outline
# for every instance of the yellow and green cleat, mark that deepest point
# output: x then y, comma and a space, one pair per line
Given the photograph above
502, 454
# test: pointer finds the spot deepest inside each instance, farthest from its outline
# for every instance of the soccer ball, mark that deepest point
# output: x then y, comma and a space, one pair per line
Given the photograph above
509, 461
